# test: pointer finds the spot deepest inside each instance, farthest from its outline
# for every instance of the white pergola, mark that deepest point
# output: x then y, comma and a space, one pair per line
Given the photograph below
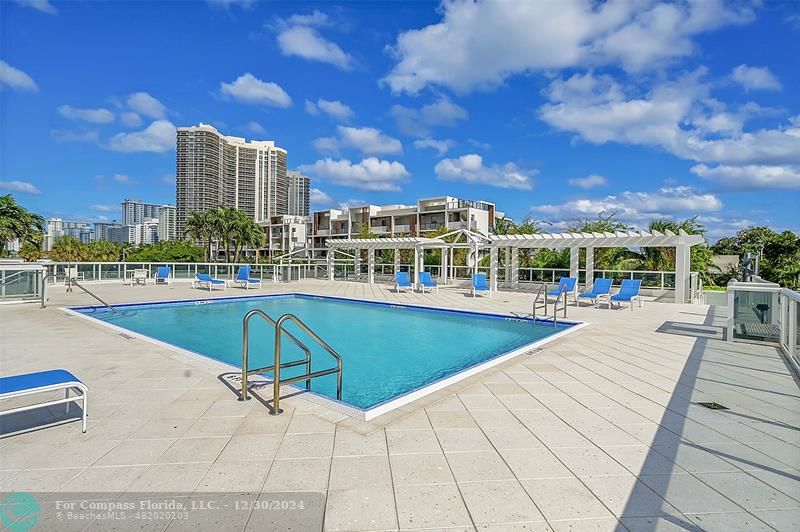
511, 244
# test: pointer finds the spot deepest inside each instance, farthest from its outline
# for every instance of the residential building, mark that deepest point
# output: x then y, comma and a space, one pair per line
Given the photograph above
57, 228
286, 233
299, 194
214, 170
427, 216
167, 218
136, 234
136, 211
101, 229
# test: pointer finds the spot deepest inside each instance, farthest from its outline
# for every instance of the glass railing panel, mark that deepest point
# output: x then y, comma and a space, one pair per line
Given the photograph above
755, 315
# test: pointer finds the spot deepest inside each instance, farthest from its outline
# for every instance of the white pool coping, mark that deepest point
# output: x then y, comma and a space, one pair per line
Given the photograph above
327, 402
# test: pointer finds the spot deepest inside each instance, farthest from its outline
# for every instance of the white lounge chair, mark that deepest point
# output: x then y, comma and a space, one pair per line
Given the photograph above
41, 382
204, 280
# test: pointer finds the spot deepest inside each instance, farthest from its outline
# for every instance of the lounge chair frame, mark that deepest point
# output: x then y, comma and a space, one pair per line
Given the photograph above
67, 385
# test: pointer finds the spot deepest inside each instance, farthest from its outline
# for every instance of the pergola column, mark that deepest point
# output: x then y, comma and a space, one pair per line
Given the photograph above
475, 262
417, 260
357, 264
443, 267
396, 261
514, 267
371, 266
451, 265
589, 266
507, 281
682, 267
493, 256
574, 258
331, 257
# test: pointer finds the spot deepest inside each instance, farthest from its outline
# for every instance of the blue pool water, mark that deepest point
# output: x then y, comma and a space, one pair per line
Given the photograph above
386, 350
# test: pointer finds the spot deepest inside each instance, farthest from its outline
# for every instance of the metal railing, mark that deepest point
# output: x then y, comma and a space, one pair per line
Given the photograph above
277, 365
74, 282
20, 282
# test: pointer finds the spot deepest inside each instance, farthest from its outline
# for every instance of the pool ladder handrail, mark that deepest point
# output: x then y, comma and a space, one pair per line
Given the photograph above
70, 283
542, 292
280, 331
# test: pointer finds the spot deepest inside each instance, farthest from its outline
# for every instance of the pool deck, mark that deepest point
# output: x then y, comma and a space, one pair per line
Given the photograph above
599, 430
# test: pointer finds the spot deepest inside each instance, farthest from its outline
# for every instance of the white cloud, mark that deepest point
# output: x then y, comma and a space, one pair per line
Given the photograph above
590, 181
417, 122
470, 169
369, 174
367, 140
103, 208
40, 5
335, 109
306, 42
255, 128
146, 105
751, 177
123, 179
311, 108
227, 4
20, 186
634, 207
95, 116
755, 78
678, 116
319, 197
441, 146
16, 78
66, 135
315, 18
480, 44
131, 119
249, 89
158, 137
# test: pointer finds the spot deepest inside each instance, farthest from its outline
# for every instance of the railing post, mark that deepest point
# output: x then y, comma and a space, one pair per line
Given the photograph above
276, 372
245, 349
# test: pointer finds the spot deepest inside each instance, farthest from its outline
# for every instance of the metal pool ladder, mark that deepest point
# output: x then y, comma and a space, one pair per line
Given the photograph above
542, 293
276, 367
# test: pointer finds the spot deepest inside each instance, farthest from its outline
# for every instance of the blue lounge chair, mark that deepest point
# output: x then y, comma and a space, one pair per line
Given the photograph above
243, 279
401, 280
629, 291
600, 289
425, 281
569, 284
479, 284
163, 275
204, 280
42, 382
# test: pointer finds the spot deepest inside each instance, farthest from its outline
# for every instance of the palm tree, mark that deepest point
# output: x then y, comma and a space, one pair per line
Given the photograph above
104, 251
201, 226
246, 233
68, 249
225, 224
18, 223
30, 252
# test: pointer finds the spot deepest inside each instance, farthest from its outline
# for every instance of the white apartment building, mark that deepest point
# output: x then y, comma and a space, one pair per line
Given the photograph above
427, 216
285, 234
299, 194
136, 234
215, 170
136, 211
57, 228
167, 223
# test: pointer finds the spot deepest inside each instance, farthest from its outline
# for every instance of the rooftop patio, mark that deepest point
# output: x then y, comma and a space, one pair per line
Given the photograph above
599, 430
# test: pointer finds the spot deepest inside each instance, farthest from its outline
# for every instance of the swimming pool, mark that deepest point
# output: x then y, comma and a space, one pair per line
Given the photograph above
389, 352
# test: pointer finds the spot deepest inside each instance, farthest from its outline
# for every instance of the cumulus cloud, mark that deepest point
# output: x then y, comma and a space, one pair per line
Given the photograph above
123, 179
333, 108
478, 45
590, 181
158, 137
146, 105
66, 135
299, 36
40, 5
320, 197
16, 78
634, 207
677, 116
441, 146
370, 174
255, 128
417, 122
249, 89
95, 116
20, 186
367, 140
103, 208
131, 119
470, 169
244, 4
755, 78
751, 177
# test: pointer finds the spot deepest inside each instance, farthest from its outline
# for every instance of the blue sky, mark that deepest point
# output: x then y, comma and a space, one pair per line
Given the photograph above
647, 109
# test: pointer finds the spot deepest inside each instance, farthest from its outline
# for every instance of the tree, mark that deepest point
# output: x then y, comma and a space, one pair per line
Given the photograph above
246, 233
779, 252
201, 227
68, 249
18, 223
167, 251
30, 252
103, 251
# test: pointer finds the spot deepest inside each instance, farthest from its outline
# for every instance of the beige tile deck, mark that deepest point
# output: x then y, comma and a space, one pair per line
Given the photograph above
597, 431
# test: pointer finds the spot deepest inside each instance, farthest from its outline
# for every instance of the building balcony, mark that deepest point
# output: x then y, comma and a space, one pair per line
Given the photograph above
402, 228
380, 229
323, 232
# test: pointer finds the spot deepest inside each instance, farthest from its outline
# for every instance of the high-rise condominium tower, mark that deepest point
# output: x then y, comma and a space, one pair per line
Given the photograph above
215, 170
136, 211
299, 194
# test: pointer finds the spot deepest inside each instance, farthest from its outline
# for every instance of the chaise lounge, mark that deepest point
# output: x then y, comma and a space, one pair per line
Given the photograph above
629, 291
425, 281
163, 275
401, 280
600, 289
42, 382
479, 284
568, 284
202, 280
243, 279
